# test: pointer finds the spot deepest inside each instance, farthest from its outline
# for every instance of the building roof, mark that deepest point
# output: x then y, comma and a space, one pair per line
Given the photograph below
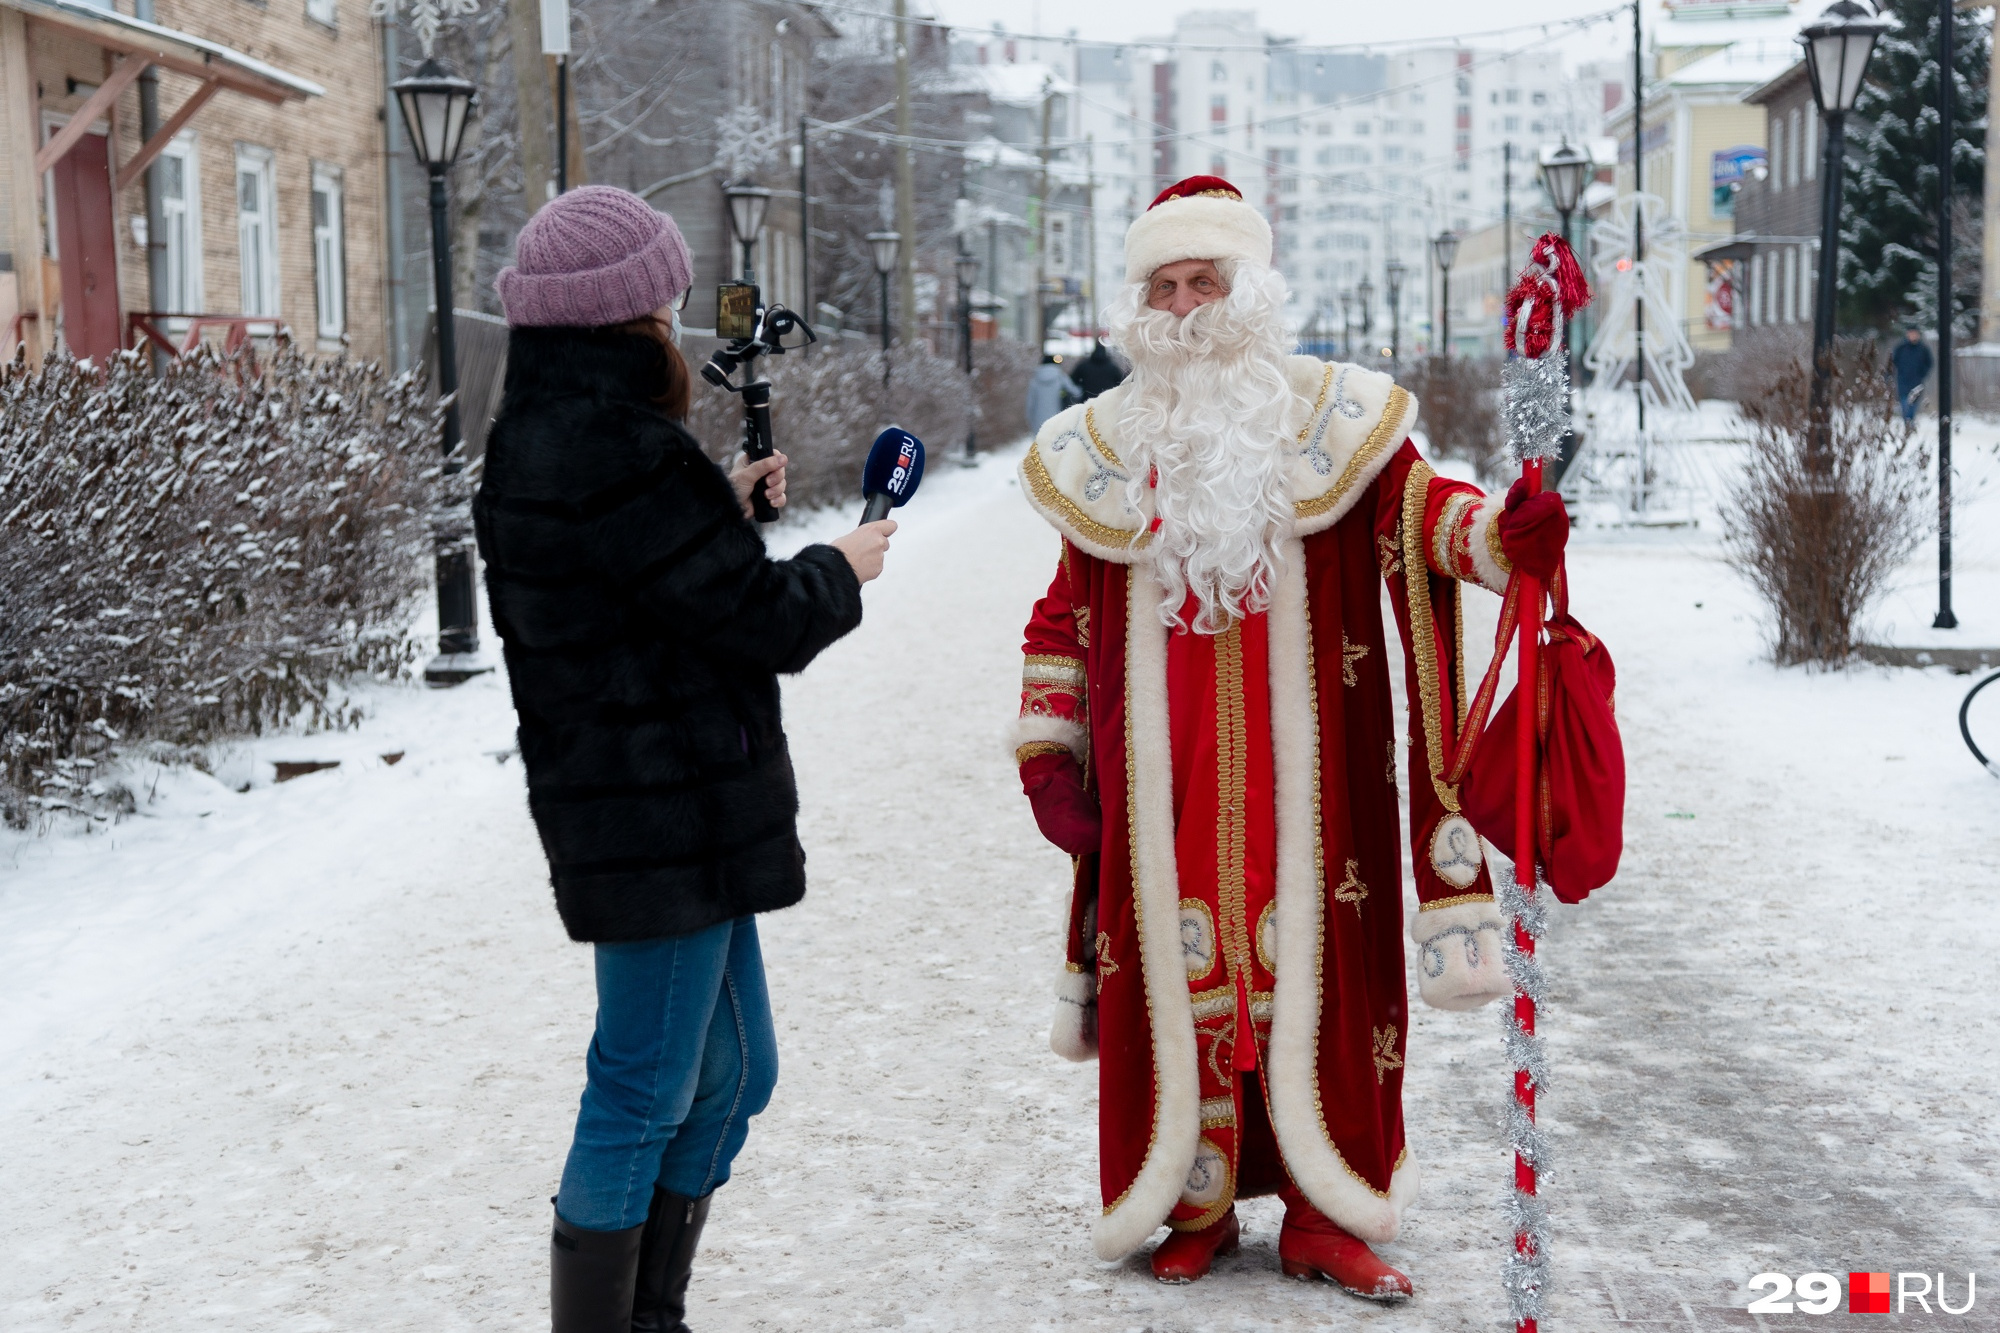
1745, 65
1779, 84
170, 48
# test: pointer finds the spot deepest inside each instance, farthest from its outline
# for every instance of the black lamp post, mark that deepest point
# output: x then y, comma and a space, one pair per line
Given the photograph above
966, 267
747, 204
1564, 173
1837, 46
1394, 271
1364, 299
1444, 249
886, 245
436, 104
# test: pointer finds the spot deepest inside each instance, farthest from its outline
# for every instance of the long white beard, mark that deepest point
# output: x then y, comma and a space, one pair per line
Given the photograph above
1206, 405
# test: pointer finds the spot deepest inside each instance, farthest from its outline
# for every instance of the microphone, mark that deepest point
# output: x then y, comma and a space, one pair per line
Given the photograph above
895, 466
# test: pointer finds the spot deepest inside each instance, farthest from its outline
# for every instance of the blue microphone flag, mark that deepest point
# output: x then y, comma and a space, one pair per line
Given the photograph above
895, 466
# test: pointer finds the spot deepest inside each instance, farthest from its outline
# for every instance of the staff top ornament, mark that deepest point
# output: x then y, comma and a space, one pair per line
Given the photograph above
1536, 383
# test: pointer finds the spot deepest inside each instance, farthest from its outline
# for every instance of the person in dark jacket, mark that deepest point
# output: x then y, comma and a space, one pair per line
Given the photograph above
1097, 372
644, 630
1912, 362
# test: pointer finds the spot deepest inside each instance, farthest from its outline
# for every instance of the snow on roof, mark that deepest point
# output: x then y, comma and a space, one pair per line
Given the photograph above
1682, 32
1747, 64
1016, 85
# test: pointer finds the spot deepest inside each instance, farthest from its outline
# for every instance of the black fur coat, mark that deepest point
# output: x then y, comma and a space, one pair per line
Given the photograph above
643, 628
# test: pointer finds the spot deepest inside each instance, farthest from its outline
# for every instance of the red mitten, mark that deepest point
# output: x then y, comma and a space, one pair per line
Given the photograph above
1066, 811
1533, 531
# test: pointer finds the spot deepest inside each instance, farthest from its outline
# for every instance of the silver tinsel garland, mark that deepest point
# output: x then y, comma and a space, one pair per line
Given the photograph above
1525, 1274
1536, 389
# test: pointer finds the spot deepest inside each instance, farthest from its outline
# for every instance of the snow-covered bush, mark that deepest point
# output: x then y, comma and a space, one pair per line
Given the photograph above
1818, 528
201, 553
1000, 371
1458, 407
827, 406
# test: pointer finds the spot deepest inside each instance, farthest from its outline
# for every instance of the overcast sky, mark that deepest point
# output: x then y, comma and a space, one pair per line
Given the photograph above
1343, 21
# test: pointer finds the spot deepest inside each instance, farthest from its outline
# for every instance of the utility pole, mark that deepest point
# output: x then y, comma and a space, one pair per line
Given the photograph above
1947, 19
807, 309
1506, 223
1639, 229
1090, 217
1040, 328
906, 188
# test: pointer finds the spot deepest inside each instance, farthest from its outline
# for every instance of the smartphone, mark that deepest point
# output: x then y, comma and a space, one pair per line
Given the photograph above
736, 310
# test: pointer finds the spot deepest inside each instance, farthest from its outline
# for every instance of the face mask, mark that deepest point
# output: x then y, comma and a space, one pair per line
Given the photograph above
675, 331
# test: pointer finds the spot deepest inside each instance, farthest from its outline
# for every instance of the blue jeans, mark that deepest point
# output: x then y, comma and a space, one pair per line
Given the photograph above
683, 1056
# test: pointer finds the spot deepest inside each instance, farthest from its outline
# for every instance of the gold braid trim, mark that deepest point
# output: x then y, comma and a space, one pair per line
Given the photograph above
1090, 425
1493, 545
1382, 437
1455, 901
1232, 759
1050, 669
1043, 487
1035, 749
1423, 627
1319, 404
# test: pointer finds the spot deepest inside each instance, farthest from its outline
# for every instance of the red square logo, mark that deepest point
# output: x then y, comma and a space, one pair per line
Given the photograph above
1868, 1293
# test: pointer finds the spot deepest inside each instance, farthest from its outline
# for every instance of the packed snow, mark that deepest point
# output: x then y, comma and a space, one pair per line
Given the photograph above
305, 1056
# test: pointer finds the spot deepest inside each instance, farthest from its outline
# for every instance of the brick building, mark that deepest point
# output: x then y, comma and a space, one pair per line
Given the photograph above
257, 196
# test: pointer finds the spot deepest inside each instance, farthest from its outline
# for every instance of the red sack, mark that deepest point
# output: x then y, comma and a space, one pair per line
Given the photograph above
1580, 801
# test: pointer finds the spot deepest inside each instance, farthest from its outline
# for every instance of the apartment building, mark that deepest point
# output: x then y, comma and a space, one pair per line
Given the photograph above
183, 158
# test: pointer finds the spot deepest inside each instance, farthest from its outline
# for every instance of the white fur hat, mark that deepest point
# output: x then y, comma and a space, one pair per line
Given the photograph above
1202, 217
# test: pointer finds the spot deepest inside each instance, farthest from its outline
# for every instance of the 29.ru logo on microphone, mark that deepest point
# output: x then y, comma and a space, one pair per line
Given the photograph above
1867, 1293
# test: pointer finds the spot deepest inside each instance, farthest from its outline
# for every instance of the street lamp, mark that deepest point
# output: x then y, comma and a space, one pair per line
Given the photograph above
966, 266
1564, 173
885, 245
1364, 296
1394, 271
435, 105
1837, 46
1444, 249
747, 204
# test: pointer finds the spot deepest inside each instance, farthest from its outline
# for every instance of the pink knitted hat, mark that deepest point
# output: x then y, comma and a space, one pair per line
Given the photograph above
594, 255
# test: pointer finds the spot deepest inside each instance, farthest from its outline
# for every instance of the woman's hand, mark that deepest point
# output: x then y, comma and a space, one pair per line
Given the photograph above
865, 546
746, 475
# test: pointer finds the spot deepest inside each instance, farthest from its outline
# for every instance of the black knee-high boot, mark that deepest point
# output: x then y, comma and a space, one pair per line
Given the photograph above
666, 1262
592, 1275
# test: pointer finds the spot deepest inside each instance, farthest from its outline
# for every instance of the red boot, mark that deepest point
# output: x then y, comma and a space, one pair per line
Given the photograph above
1185, 1256
1311, 1244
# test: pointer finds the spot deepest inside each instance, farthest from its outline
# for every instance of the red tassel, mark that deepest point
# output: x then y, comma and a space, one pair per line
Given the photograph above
1550, 278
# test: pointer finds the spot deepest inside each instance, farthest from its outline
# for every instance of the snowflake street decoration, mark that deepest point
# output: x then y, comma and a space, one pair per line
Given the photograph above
1631, 286
745, 143
426, 16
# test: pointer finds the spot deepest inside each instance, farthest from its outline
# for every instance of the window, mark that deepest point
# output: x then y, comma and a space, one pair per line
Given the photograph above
1416, 127
1810, 156
256, 230
1540, 99
1513, 96
329, 251
1218, 72
1217, 166
1392, 153
1218, 108
1792, 161
323, 11
178, 175
1779, 155
1361, 129
1513, 124
1324, 127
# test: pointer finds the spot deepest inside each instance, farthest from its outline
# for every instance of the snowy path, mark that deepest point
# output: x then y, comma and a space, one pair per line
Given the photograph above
309, 1062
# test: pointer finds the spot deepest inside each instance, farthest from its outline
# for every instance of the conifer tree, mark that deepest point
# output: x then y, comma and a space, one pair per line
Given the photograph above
1888, 232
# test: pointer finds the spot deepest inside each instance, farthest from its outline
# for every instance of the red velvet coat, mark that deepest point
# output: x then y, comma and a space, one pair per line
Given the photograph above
1095, 683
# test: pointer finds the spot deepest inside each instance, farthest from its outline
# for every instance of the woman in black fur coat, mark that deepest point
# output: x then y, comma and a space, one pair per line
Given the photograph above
644, 629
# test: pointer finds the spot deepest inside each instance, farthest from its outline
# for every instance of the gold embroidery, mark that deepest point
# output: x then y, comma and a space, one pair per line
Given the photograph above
1451, 544
1222, 1203
1105, 967
1090, 424
1386, 1058
1232, 778
1351, 889
1267, 925
1392, 761
1423, 630
1040, 700
1218, 1112
1043, 488
1493, 545
1049, 669
1350, 653
1319, 404
1074, 967
1382, 437
1389, 551
1199, 951
1081, 614
1454, 901
1035, 749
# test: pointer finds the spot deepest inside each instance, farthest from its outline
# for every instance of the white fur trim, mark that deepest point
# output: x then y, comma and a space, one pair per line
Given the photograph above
1198, 227
1073, 1034
1293, 1073
1031, 727
1483, 518
1176, 1129
1458, 955
1076, 479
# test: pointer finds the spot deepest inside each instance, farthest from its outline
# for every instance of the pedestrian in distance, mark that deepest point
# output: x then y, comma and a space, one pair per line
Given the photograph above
644, 629
1049, 391
1911, 363
1097, 372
